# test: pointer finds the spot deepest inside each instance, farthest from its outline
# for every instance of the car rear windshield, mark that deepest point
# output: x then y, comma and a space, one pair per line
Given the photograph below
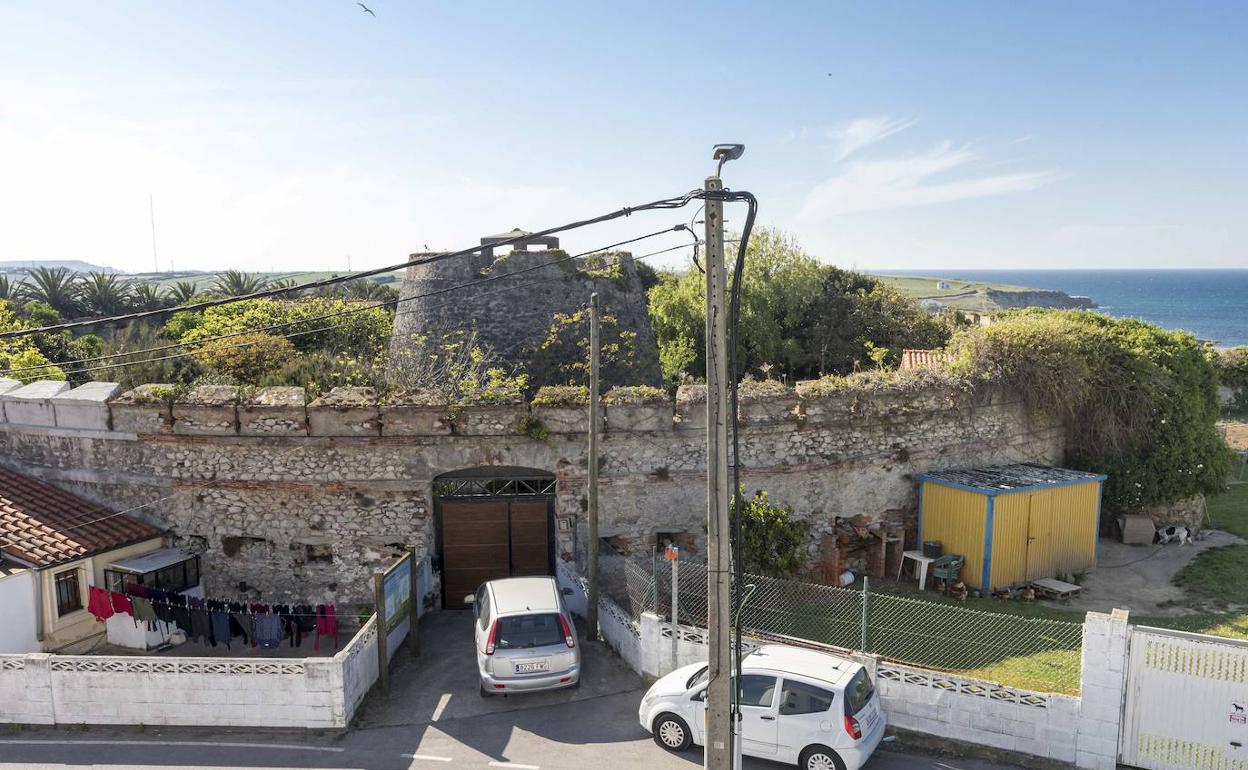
858, 693
521, 631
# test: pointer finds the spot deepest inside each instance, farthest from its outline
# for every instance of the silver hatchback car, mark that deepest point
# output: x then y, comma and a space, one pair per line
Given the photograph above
525, 639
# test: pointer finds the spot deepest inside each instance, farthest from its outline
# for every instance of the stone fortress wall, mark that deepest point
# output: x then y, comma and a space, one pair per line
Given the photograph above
305, 500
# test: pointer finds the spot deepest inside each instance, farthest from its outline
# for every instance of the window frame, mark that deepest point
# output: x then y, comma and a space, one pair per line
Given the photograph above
116, 580
64, 577
828, 691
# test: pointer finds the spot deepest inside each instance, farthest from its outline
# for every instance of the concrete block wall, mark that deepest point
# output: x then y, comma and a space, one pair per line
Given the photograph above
312, 693
1081, 731
982, 713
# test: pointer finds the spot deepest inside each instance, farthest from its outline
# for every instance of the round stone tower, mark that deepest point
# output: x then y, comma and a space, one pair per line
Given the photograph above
511, 299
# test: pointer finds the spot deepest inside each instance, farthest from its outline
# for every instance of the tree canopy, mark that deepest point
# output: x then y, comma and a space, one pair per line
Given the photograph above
799, 317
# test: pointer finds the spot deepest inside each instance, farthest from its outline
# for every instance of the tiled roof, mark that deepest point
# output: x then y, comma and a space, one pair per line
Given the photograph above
1005, 478
42, 525
921, 359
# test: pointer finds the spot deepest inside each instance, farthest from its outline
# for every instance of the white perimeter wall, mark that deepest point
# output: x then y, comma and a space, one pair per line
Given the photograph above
1078, 730
41, 688
17, 608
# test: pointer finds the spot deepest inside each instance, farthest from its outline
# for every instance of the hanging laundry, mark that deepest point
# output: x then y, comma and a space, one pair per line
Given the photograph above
268, 631
201, 627
326, 625
121, 603
144, 612
220, 621
99, 603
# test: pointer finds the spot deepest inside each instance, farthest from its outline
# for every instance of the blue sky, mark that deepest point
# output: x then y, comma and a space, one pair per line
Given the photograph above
882, 135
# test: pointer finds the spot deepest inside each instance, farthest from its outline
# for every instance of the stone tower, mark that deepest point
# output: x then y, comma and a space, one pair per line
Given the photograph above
511, 300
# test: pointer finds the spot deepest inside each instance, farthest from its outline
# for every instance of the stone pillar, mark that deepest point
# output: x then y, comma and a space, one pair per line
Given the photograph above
1106, 643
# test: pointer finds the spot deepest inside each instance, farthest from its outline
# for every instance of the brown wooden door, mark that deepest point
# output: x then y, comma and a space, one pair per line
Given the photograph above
530, 550
475, 547
490, 539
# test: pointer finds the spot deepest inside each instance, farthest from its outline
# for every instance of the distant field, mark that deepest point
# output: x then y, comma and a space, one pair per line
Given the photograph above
205, 280
963, 295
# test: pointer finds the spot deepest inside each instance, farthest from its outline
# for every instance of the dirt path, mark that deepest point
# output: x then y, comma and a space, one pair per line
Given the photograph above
1138, 578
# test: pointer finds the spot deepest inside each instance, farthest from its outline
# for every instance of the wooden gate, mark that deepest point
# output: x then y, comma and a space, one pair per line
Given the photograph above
1187, 702
490, 529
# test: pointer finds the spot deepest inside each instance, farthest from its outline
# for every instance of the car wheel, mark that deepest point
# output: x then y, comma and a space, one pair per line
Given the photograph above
486, 693
820, 758
672, 733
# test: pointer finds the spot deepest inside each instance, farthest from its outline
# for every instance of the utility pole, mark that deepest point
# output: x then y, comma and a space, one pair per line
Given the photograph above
591, 611
718, 753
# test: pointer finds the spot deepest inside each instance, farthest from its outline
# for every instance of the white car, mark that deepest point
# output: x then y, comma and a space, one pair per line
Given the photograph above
525, 638
799, 706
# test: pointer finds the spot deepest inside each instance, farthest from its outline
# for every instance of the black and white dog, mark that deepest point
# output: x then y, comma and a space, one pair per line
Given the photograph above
1170, 534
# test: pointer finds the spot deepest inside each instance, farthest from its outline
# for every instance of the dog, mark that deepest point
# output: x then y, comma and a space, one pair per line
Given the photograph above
1170, 534
1238, 708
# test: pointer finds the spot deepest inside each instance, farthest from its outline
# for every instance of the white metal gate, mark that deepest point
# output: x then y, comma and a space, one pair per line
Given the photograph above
1187, 702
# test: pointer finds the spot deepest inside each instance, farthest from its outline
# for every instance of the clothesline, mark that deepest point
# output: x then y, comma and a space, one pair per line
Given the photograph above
213, 621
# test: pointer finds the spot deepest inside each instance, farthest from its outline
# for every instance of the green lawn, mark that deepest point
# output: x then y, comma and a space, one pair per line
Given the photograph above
1220, 576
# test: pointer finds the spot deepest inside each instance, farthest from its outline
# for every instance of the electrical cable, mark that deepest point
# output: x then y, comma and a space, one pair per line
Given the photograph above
338, 314
663, 203
210, 482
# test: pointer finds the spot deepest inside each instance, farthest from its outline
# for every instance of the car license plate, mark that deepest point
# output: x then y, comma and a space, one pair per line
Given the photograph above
532, 666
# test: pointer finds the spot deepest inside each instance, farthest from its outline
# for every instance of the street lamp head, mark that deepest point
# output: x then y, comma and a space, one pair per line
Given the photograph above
726, 152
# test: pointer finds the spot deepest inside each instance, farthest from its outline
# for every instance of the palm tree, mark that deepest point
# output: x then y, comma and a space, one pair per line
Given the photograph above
8, 289
57, 288
234, 283
181, 293
105, 293
147, 296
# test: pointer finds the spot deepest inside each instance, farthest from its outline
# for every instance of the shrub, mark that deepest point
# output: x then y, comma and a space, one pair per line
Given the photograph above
774, 542
561, 395
246, 358
634, 394
1139, 403
1232, 366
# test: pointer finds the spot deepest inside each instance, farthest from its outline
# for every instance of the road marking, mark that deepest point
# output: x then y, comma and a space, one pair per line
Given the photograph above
514, 766
211, 744
427, 758
437, 711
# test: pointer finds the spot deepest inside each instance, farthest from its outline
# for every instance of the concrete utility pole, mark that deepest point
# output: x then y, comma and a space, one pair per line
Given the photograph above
718, 754
591, 611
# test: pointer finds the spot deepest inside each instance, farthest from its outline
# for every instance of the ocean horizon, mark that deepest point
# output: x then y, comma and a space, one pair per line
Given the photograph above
1212, 304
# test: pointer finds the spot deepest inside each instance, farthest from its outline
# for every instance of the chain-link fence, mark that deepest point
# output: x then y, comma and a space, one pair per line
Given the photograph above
1026, 652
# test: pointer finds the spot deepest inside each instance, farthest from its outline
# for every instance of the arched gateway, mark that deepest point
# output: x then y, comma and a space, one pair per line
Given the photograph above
492, 522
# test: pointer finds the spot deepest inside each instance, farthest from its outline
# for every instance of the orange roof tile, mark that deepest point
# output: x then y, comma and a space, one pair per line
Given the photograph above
43, 526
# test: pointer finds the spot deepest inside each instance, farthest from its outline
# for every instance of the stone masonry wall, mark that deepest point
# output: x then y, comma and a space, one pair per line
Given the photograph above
310, 512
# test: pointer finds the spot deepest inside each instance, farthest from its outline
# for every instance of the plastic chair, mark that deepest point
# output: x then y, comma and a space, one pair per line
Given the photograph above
946, 568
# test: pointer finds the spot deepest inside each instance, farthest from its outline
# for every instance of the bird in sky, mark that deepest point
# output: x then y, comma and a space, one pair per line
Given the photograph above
367, 10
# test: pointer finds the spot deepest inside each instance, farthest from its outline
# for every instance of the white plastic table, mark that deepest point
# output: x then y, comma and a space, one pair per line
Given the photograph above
921, 563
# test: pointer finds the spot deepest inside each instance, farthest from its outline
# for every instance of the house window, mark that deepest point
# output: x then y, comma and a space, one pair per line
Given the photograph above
68, 591
182, 576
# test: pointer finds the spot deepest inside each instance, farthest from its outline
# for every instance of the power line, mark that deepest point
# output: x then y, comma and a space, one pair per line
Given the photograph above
664, 203
339, 314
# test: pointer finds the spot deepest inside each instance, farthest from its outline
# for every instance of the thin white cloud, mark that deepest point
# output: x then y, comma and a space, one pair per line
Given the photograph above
851, 136
912, 180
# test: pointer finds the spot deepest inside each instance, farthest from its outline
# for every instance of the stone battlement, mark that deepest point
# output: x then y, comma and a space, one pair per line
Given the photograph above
228, 410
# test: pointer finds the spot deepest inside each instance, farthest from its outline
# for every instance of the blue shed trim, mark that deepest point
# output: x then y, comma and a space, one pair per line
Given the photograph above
1096, 531
994, 492
921, 485
985, 583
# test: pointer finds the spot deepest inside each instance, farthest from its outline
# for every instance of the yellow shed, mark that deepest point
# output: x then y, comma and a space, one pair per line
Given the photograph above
1013, 523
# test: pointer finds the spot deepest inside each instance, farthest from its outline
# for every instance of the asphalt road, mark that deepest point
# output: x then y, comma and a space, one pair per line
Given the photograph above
433, 717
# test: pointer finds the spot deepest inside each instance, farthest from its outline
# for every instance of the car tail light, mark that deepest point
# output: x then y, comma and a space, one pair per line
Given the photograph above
492, 640
851, 727
568, 638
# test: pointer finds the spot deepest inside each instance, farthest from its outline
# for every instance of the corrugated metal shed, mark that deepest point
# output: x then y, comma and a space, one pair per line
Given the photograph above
1013, 523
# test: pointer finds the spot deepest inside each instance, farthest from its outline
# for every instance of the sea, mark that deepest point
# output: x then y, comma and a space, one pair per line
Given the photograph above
1211, 304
